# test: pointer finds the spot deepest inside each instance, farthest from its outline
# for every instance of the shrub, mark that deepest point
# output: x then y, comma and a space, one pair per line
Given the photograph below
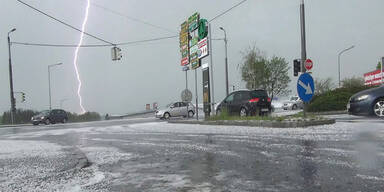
334, 100
88, 116
22, 116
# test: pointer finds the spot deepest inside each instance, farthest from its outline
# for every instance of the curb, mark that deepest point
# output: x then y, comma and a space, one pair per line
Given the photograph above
330, 113
255, 123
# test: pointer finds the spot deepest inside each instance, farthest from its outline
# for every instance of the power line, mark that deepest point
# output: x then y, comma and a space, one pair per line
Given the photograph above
223, 13
93, 45
131, 18
64, 23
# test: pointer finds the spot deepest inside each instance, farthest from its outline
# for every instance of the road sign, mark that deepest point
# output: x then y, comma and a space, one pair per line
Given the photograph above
203, 48
305, 87
186, 95
308, 64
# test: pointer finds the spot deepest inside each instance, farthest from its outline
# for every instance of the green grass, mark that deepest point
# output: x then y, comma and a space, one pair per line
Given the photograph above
225, 116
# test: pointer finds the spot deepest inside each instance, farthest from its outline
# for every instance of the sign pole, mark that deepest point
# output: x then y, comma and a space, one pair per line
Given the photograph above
197, 105
211, 66
303, 44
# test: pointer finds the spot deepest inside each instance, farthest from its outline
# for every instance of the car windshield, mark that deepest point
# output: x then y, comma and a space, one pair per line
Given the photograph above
45, 112
259, 93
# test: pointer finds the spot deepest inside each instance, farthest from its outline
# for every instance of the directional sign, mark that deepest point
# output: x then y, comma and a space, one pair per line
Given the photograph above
308, 64
305, 87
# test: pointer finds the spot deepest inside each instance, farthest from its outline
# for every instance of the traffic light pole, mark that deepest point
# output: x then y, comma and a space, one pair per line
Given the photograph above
303, 44
13, 103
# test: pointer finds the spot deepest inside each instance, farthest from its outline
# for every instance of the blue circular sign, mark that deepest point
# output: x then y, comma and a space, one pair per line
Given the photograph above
305, 87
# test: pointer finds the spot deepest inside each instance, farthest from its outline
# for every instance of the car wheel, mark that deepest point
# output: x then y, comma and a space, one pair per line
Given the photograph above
191, 114
47, 122
294, 107
166, 115
378, 108
35, 123
243, 112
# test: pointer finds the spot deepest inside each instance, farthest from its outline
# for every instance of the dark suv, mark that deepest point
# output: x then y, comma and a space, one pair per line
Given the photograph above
50, 116
244, 103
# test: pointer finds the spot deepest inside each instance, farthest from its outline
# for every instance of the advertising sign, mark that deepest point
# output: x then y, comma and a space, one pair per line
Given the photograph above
184, 43
193, 50
373, 78
193, 22
206, 92
203, 48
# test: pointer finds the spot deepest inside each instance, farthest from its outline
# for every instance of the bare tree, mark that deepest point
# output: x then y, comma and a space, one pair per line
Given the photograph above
323, 85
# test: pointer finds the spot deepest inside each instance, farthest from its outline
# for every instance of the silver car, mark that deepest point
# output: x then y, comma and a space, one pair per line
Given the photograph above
177, 109
293, 103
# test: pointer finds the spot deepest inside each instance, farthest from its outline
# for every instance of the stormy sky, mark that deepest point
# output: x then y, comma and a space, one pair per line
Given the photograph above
150, 72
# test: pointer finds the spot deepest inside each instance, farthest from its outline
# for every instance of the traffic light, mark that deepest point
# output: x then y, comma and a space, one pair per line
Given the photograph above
22, 97
296, 67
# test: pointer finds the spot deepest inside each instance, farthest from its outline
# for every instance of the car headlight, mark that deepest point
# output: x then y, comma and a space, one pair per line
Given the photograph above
362, 98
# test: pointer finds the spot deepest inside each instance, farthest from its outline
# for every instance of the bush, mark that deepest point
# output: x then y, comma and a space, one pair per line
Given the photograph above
88, 116
22, 116
334, 100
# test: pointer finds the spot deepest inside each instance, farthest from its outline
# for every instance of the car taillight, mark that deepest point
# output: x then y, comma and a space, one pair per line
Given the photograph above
269, 99
254, 100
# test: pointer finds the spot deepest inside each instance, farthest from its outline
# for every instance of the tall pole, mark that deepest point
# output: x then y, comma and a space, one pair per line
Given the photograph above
13, 103
49, 83
382, 74
226, 62
211, 63
49, 87
197, 104
303, 44
303, 36
338, 61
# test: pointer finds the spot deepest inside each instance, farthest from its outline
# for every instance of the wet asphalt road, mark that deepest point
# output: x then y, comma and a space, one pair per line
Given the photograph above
145, 154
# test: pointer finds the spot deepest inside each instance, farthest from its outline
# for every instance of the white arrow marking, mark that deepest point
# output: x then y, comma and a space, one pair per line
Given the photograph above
308, 89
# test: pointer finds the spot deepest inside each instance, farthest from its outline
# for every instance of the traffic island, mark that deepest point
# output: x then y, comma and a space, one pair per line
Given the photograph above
295, 121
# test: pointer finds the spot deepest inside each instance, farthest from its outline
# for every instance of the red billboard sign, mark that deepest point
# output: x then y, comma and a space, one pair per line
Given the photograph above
373, 78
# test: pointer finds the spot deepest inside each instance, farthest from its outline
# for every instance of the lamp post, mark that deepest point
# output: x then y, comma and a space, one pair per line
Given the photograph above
13, 103
226, 61
49, 82
341, 52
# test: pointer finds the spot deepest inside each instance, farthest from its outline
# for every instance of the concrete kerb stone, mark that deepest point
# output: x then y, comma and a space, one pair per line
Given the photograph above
260, 123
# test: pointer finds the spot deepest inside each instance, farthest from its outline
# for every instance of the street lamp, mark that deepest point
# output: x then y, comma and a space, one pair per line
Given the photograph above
341, 52
49, 82
226, 61
13, 103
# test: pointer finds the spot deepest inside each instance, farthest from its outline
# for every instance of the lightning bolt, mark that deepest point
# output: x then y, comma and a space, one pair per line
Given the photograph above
75, 64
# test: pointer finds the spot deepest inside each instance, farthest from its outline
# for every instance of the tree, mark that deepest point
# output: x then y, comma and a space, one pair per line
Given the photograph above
378, 65
323, 85
261, 73
352, 82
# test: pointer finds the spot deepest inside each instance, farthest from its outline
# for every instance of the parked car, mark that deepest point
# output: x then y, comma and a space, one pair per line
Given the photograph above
246, 102
367, 102
293, 103
50, 116
176, 109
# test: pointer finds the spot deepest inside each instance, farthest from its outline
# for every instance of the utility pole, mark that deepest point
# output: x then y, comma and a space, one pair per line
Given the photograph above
13, 102
211, 67
226, 61
49, 83
303, 44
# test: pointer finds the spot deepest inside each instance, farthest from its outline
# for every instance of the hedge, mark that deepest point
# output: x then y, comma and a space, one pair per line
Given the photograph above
334, 100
